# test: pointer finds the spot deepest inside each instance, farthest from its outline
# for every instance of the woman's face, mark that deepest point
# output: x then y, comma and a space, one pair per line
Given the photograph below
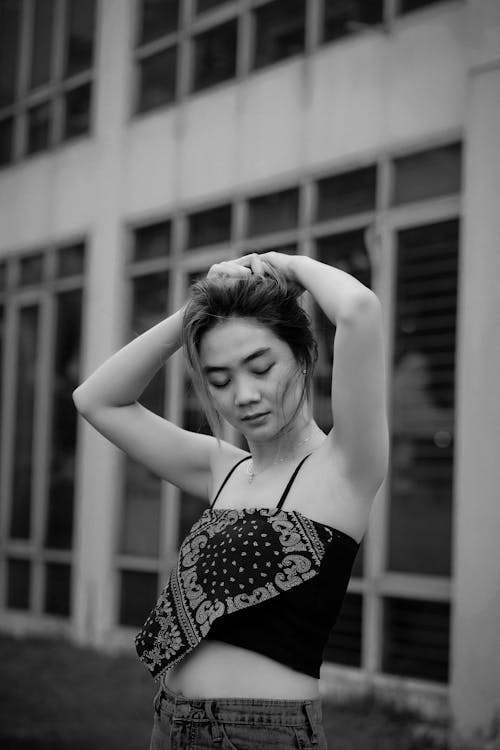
247, 369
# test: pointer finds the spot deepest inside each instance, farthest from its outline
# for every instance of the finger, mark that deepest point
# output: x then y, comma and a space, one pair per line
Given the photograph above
257, 265
227, 269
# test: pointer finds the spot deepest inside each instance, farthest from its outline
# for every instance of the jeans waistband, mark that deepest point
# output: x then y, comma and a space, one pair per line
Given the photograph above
241, 710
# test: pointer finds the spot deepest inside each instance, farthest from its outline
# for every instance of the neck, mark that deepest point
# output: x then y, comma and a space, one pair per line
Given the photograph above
297, 438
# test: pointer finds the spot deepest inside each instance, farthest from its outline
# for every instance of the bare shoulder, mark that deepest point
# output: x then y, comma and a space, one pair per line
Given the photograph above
224, 456
332, 496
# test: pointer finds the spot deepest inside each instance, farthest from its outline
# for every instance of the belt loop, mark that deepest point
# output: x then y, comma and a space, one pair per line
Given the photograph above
157, 699
314, 736
214, 727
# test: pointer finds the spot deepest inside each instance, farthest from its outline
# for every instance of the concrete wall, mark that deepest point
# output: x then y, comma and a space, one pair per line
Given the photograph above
475, 679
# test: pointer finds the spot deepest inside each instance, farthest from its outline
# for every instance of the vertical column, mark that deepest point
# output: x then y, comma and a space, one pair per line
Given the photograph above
94, 590
475, 677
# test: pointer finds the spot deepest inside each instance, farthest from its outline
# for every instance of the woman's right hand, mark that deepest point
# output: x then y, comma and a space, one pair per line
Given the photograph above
228, 269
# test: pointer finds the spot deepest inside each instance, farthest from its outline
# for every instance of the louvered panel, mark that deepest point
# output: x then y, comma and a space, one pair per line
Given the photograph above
344, 643
416, 638
422, 408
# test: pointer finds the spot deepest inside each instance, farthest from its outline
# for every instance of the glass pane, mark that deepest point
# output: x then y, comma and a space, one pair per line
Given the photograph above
57, 589
346, 251
80, 36
77, 111
138, 595
142, 489
191, 507
150, 305
152, 241
6, 141
26, 375
159, 17
59, 529
407, 5
157, 79
347, 193
70, 260
38, 128
427, 174
209, 227
273, 212
2, 358
279, 31
10, 15
202, 5
18, 584
31, 269
42, 42
423, 399
343, 17
215, 55
416, 639
344, 642
140, 528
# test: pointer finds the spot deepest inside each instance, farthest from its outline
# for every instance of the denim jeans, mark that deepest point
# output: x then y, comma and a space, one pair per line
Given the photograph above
235, 723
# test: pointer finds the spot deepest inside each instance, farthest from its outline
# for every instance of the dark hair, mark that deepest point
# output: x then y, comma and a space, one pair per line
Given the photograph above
268, 299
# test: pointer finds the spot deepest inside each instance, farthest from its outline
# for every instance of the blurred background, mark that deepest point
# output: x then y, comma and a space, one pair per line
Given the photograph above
142, 141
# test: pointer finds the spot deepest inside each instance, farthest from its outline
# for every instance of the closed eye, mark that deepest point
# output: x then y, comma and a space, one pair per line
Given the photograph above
219, 385
262, 372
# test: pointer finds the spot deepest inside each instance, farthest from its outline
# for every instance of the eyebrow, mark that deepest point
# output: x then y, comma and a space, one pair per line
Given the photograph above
249, 358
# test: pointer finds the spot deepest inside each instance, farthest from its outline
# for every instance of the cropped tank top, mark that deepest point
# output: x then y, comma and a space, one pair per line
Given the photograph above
265, 579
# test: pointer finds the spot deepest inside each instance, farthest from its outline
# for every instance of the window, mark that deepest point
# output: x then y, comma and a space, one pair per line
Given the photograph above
158, 17
209, 227
157, 79
142, 489
138, 594
152, 241
279, 31
416, 640
342, 17
202, 5
423, 399
273, 212
347, 193
405, 6
43, 305
344, 642
427, 174
215, 55
59, 39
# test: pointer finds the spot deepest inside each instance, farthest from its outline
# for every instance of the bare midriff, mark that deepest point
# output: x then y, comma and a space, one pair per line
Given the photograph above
220, 670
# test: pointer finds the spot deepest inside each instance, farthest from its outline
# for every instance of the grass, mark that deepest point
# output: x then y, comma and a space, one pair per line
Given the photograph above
55, 696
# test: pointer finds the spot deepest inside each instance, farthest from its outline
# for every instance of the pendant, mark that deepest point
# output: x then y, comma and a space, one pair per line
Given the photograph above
250, 473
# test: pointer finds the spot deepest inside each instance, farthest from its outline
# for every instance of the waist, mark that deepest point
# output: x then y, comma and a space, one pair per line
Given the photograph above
220, 670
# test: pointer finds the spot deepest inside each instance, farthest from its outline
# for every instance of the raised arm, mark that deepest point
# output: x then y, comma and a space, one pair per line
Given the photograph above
360, 435
107, 399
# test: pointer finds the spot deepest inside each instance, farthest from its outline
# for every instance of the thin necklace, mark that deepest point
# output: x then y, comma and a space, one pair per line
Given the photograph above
252, 474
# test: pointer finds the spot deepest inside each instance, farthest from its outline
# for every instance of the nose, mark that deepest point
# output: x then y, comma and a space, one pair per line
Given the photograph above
246, 392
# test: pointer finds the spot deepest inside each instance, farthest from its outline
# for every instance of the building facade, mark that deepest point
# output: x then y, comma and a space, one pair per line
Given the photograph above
140, 142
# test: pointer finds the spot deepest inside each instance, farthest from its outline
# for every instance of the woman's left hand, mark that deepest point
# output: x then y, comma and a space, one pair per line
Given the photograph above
282, 262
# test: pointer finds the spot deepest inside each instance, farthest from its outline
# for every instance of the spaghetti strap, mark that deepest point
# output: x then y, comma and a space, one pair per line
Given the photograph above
292, 478
227, 477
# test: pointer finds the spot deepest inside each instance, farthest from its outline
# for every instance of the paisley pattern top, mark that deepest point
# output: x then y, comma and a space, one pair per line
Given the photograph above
231, 559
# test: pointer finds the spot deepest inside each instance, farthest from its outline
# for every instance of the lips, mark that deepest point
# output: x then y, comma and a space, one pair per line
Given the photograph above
252, 417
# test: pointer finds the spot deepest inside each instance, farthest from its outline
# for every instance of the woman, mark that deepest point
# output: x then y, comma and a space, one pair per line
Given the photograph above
238, 656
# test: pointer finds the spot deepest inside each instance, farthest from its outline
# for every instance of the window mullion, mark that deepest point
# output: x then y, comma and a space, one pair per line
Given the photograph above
57, 72
42, 417
11, 327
